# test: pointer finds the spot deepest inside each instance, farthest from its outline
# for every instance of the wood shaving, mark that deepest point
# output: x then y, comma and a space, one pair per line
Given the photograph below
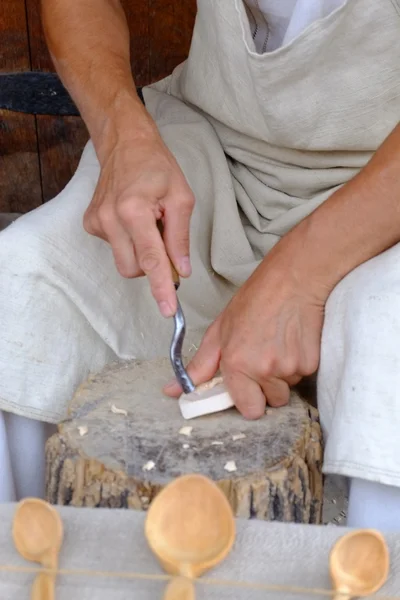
118, 411
149, 465
186, 431
230, 466
238, 436
83, 430
185, 446
217, 443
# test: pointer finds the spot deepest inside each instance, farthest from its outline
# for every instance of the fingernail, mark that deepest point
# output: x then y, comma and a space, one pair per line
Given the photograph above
165, 309
186, 268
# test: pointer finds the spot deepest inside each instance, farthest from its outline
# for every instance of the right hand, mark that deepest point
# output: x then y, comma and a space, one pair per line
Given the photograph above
141, 182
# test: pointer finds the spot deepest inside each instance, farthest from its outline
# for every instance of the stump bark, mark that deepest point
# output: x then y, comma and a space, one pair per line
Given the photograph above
123, 442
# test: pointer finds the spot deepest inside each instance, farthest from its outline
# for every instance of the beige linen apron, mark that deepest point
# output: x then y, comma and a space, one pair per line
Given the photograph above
294, 124
262, 140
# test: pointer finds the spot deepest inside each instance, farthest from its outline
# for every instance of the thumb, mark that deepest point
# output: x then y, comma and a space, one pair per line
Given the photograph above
204, 364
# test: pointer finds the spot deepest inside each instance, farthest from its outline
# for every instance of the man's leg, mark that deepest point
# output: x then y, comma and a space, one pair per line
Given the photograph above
7, 484
64, 312
374, 505
26, 440
359, 389
52, 278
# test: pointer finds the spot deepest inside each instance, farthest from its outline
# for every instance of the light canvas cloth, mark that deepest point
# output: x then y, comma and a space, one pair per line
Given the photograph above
112, 540
262, 140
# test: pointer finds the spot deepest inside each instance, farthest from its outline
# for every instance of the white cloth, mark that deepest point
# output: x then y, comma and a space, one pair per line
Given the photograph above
277, 135
373, 506
100, 539
276, 23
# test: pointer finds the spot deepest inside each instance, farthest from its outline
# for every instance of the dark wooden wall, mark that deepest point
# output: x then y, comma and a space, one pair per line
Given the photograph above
38, 154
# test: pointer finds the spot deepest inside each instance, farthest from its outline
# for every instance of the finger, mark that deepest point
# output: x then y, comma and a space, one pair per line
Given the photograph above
91, 224
124, 253
91, 221
103, 222
276, 391
293, 380
246, 393
204, 364
177, 229
151, 256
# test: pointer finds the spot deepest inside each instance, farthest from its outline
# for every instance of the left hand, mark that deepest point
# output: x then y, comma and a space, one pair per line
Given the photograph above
266, 339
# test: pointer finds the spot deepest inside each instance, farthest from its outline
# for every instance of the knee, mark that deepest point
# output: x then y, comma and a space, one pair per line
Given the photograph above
360, 332
369, 293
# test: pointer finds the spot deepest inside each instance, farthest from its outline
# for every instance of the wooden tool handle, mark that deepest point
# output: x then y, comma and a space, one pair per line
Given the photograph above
43, 587
180, 588
175, 275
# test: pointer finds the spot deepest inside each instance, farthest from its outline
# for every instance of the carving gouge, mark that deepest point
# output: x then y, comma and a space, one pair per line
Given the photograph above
178, 337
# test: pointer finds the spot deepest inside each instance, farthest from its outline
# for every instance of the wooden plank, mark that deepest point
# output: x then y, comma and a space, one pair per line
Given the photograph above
40, 56
137, 15
170, 30
20, 188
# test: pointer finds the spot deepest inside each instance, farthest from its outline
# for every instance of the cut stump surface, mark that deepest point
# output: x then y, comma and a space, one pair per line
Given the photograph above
124, 441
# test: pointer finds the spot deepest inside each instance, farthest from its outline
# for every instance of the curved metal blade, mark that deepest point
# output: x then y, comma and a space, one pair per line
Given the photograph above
176, 352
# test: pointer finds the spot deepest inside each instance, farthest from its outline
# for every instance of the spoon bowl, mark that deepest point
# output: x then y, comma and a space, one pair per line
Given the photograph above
190, 526
359, 563
37, 531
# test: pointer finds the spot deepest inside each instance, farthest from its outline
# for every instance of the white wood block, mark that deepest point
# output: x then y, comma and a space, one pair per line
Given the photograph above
208, 398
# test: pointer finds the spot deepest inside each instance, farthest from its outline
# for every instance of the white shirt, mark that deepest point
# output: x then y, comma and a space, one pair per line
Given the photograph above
275, 23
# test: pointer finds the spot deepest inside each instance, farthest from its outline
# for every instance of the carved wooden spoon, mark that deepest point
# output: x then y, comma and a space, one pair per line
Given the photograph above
190, 528
38, 533
359, 564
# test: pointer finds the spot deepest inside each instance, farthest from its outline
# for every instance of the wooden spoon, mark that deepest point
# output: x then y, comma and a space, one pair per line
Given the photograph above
38, 532
180, 588
359, 564
190, 528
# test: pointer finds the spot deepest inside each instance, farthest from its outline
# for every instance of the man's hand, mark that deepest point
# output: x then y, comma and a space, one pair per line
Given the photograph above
266, 339
141, 182
269, 335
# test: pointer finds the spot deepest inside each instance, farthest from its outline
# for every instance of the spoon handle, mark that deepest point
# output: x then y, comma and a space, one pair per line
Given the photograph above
43, 587
179, 588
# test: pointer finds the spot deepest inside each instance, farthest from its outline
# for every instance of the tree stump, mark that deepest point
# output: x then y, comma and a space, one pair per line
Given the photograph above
124, 441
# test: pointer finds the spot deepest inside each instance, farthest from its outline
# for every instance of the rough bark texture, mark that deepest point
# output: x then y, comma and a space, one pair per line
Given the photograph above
98, 456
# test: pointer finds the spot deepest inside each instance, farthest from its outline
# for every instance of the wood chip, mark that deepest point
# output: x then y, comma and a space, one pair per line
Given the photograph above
230, 466
238, 436
83, 430
186, 431
149, 465
216, 443
118, 411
